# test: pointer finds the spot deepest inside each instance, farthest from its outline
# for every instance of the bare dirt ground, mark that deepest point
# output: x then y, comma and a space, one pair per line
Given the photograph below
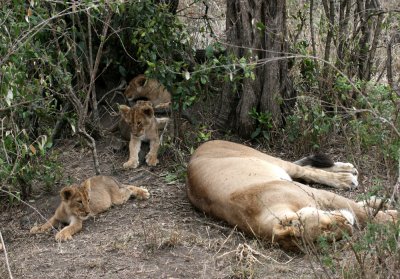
163, 237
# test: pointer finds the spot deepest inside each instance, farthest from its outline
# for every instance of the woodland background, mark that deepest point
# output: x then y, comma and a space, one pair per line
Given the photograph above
287, 77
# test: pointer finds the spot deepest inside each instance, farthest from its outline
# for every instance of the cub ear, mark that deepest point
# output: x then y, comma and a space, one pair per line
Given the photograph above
148, 111
124, 110
67, 192
140, 80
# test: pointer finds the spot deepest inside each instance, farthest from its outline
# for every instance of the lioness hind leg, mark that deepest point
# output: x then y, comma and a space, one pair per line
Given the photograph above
340, 180
309, 223
324, 162
342, 167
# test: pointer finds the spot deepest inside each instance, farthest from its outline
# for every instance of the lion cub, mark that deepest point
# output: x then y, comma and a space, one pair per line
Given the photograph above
143, 126
142, 88
93, 196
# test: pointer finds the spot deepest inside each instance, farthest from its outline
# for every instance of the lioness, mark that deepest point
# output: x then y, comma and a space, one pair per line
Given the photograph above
93, 196
142, 88
143, 126
256, 193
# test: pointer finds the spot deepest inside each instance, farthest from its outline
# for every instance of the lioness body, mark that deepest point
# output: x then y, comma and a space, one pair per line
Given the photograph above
256, 193
143, 126
142, 88
93, 196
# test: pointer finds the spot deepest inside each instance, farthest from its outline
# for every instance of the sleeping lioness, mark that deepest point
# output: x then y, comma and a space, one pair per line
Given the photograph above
256, 193
94, 195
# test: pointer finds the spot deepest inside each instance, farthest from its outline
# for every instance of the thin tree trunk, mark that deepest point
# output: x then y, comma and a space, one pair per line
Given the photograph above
329, 9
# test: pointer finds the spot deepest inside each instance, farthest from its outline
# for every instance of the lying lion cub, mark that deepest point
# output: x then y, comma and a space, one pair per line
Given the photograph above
93, 196
256, 193
143, 126
142, 88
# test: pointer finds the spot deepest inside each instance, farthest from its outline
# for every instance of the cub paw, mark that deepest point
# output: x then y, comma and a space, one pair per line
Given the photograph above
140, 193
39, 229
63, 236
131, 164
151, 160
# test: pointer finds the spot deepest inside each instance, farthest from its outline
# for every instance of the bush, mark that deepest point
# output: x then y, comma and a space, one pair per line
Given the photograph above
28, 109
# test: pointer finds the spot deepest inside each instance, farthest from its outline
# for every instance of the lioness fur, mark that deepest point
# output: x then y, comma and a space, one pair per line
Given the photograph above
143, 126
142, 88
256, 193
93, 196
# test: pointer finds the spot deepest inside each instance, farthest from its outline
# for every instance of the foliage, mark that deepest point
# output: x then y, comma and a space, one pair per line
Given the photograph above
165, 49
375, 252
28, 108
264, 123
310, 122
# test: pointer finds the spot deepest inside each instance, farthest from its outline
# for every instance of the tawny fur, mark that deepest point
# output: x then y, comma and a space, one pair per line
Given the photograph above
93, 196
256, 193
140, 88
143, 126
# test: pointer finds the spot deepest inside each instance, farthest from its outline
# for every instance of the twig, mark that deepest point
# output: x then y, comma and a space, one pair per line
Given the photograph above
229, 236
255, 252
27, 204
21, 104
6, 256
241, 249
118, 88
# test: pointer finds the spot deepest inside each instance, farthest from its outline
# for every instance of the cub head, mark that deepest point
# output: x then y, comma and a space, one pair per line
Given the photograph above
136, 88
139, 117
77, 200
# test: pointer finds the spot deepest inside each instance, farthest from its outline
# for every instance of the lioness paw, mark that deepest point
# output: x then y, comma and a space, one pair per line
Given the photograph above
347, 181
344, 167
63, 236
133, 164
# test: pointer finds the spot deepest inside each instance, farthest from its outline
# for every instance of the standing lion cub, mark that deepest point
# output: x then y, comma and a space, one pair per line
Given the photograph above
93, 196
143, 126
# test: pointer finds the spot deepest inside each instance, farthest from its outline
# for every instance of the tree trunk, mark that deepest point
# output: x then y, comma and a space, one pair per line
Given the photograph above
268, 46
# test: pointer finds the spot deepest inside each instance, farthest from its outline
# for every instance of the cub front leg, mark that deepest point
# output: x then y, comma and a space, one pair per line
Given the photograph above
134, 148
67, 232
151, 157
45, 227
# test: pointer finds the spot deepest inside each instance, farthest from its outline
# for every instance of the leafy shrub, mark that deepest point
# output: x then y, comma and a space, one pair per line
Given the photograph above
28, 109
